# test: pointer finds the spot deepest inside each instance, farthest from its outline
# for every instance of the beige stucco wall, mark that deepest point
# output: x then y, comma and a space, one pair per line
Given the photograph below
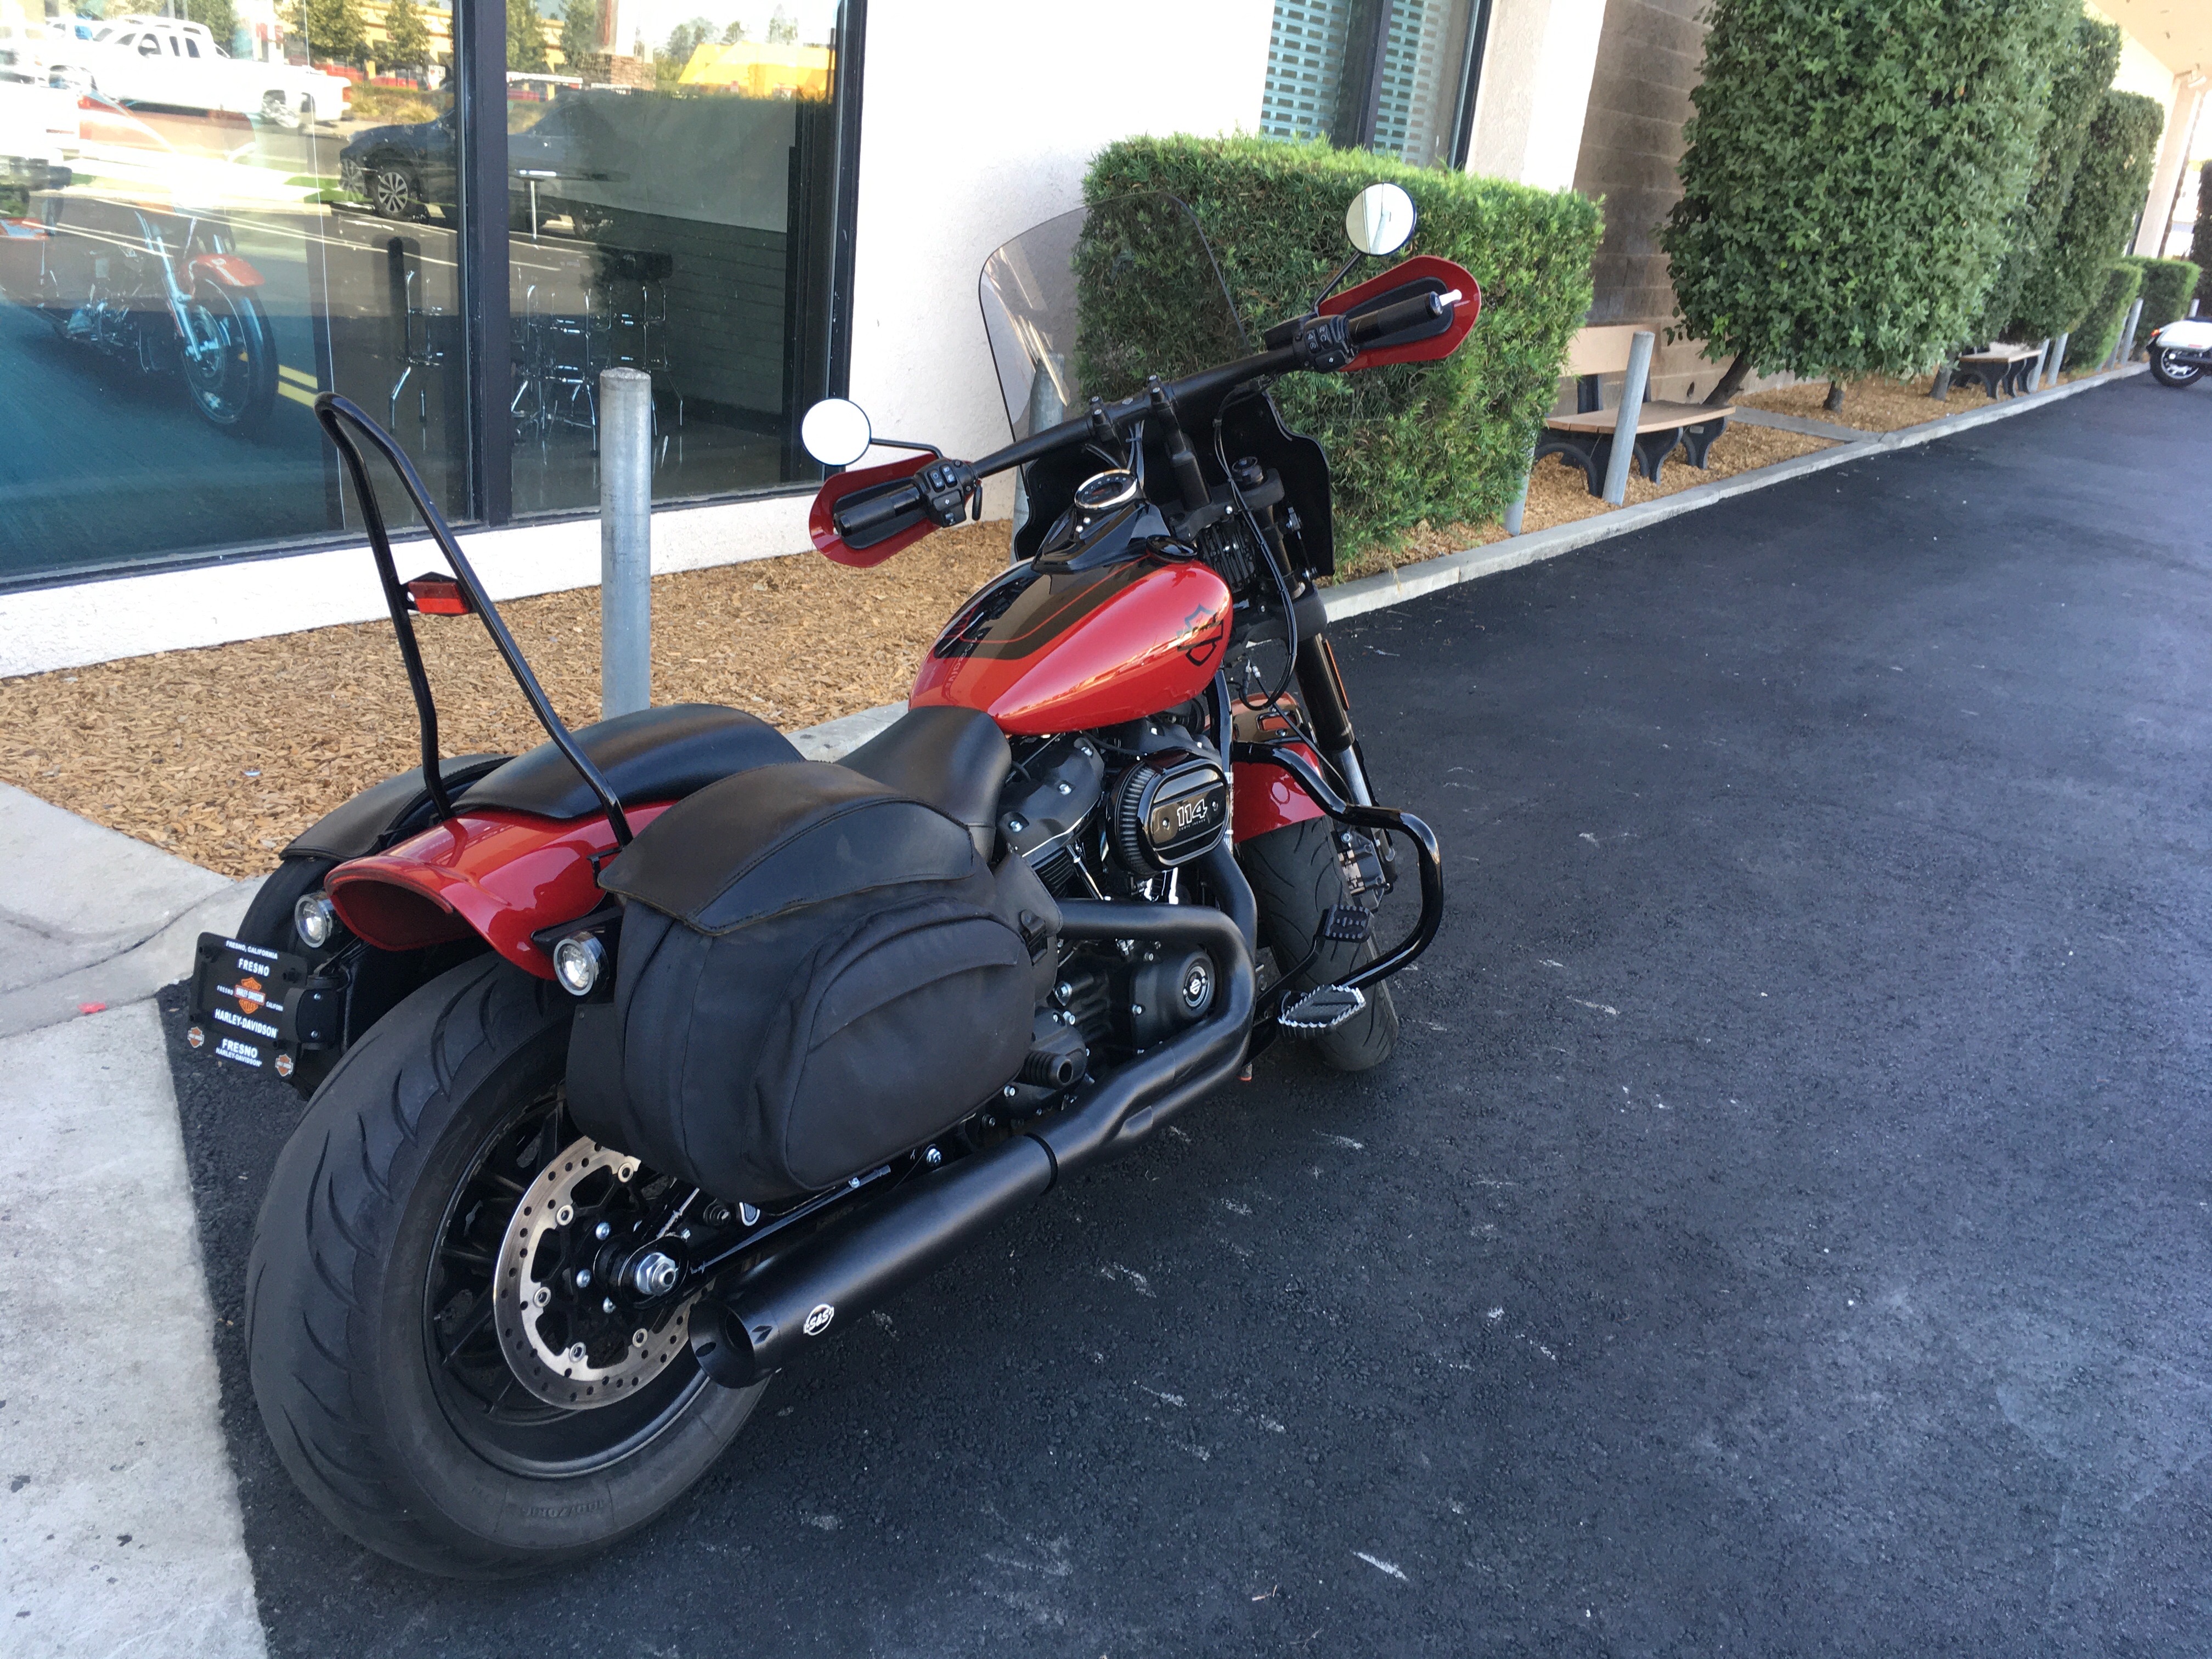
1535, 87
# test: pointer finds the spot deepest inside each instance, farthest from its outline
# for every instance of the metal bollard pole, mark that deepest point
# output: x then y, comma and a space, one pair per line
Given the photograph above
2057, 360
1520, 505
625, 541
2127, 351
1632, 408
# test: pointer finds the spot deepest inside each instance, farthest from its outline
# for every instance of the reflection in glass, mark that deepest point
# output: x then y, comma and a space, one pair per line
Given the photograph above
1324, 79
186, 261
671, 182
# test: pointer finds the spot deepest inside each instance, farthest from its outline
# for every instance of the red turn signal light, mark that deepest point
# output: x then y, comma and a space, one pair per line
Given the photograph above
438, 596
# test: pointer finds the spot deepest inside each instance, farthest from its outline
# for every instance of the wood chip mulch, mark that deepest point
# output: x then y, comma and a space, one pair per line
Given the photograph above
1557, 493
1878, 404
222, 755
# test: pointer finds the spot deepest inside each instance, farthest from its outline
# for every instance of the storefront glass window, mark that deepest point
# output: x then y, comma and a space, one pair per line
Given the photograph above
208, 217
671, 163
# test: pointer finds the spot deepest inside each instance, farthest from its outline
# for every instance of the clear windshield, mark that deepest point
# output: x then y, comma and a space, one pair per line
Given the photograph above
1088, 304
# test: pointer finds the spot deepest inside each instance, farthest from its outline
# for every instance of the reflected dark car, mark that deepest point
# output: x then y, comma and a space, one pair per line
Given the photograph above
400, 171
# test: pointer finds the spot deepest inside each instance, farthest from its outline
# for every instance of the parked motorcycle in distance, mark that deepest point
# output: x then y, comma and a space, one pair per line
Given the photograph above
161, 294
2181, 352
642, 1061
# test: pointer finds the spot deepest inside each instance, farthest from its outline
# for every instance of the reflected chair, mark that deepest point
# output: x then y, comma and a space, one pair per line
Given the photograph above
421, 345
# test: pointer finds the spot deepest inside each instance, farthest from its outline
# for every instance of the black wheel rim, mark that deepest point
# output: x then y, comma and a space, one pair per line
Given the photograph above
486, 1404
221, 377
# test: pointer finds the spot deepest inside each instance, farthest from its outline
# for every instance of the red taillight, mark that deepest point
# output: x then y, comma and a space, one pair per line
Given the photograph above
438, 596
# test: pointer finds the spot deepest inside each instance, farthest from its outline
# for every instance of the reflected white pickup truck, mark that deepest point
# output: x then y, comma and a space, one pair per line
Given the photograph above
165, 60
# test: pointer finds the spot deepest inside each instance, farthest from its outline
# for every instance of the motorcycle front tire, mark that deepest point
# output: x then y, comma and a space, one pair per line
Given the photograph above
340, 1346
240, 402
1296, 878
2169, 371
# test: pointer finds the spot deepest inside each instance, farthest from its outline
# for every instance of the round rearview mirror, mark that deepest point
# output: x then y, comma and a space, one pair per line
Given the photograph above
836, 432
1381, 219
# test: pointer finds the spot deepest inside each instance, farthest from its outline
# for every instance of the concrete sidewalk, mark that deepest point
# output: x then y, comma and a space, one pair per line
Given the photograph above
119, 1532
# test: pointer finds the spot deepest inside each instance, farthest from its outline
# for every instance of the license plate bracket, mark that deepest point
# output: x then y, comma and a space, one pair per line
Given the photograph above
247, 1003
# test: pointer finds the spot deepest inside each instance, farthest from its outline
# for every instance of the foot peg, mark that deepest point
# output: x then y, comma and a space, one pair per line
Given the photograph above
1322, 1009
1348, 924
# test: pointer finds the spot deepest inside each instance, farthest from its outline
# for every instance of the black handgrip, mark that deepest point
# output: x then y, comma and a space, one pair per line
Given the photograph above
859, 518
1406, 314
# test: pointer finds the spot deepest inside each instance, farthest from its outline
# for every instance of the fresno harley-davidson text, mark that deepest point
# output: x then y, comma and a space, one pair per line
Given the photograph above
642, 1062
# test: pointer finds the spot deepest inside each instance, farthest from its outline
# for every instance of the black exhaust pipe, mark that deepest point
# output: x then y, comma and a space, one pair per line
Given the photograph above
743, 1333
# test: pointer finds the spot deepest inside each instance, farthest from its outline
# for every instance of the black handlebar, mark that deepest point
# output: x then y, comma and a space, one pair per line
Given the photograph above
1322, 345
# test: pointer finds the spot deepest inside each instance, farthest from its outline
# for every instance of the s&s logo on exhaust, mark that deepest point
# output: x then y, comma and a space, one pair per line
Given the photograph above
818, 1320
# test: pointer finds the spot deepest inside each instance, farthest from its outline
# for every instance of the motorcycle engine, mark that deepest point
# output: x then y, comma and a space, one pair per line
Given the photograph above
1112, 816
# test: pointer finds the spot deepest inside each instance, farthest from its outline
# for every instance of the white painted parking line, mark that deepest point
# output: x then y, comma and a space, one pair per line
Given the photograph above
119, 1527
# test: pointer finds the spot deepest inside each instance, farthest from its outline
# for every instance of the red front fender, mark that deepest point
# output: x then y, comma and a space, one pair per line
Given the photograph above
501, 875
228, 268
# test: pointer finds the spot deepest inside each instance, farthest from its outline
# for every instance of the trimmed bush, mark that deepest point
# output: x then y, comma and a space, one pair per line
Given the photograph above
2085, 65
1848, 175
2200, 237
1444, 442
2099, 330
2108, 193
2168, 285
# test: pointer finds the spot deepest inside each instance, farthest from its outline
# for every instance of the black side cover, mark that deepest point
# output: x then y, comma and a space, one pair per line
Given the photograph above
814, 976
655, 754
387, 813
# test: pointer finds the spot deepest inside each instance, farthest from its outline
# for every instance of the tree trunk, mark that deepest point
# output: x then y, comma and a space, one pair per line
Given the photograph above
1738, 372
1835, 395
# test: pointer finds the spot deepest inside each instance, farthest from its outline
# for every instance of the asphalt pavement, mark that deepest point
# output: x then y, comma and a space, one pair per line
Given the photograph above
1785, 1228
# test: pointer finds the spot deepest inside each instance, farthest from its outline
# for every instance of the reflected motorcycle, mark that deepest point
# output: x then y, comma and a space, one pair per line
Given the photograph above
162, 294
644, 1062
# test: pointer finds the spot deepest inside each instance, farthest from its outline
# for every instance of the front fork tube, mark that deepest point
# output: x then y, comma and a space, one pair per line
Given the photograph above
180, 301
1321, 688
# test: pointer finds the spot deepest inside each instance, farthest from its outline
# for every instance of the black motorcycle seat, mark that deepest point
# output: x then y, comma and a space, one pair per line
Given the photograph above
954, 759
654, 755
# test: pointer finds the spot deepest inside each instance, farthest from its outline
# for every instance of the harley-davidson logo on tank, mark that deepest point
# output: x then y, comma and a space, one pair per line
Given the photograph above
1065, 650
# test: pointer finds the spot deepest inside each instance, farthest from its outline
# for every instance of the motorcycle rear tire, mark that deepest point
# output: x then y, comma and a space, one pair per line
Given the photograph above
1296, 878
339, 1352
2167, 372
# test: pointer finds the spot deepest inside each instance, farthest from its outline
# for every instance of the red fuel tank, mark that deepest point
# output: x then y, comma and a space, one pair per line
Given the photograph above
1047, 651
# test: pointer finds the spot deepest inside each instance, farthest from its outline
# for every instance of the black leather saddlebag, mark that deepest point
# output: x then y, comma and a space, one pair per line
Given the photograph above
813, 975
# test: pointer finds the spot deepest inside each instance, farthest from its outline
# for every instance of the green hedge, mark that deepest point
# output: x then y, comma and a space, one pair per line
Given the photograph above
1443, 442
2099, 330
2108, 193
2168, 285
2085, 63
2200, 238
1848, 175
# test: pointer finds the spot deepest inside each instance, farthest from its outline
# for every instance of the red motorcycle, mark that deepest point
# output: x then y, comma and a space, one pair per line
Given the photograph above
642, 1061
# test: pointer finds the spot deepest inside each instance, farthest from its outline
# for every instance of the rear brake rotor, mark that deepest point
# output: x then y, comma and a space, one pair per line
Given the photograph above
561, 1339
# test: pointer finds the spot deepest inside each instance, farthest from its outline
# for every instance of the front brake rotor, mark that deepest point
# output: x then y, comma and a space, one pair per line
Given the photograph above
561, 1339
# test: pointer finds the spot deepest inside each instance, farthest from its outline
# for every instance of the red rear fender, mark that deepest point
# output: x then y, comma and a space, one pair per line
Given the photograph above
501, 875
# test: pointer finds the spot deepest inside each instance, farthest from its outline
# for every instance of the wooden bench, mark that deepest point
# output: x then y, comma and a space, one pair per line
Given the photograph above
2004, 369
1587, 437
